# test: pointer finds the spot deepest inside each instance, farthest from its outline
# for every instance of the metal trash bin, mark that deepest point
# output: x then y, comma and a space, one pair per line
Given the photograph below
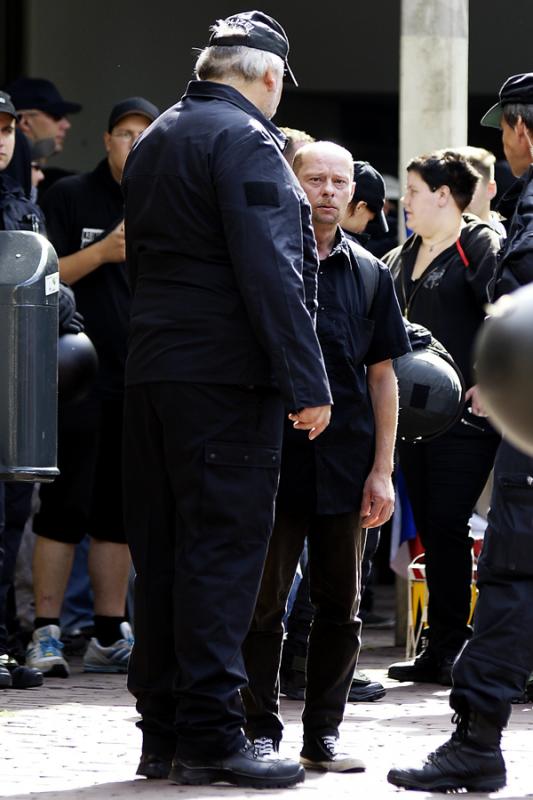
29, 287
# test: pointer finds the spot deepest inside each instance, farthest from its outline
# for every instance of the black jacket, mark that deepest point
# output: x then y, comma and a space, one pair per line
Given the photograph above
17, 212
450, 297
220, 252
515, 266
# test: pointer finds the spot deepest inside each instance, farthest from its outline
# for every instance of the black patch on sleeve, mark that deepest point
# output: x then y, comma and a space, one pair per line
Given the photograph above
261, 193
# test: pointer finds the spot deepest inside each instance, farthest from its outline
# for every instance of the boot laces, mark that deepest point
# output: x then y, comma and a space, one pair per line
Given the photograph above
456, 739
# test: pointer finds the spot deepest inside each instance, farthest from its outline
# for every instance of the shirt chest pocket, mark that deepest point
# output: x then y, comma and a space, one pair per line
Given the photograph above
345, 340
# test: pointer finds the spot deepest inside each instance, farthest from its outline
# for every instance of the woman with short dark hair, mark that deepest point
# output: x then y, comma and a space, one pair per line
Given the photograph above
441, 276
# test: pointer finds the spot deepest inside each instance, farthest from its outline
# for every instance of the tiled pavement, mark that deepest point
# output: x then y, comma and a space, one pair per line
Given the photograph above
76, 738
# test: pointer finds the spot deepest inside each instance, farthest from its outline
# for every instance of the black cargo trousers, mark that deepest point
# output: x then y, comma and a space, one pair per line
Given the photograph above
201, 470
494, 665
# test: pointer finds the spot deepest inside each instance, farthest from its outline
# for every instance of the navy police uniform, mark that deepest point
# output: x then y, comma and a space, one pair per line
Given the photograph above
320, 495
222, 264
493, 667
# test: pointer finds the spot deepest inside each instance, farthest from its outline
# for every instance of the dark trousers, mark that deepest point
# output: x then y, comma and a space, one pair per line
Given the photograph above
335, 546
15, 508
493, 667
201, 468
444, 479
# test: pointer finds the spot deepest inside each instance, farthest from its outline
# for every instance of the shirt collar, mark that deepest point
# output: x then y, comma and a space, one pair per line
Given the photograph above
221, 91
340, 245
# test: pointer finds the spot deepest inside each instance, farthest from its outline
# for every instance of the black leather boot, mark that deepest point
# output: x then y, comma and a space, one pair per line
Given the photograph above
248, 767
470, 760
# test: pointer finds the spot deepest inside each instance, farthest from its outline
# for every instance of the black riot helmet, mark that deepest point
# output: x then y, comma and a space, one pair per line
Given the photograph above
77, 366
430, 386
504, 367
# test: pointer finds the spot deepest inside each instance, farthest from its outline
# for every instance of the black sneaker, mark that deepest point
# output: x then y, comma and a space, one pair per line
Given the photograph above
363, 690
245, 768
265, 745
153, 766
21, 677
320, 753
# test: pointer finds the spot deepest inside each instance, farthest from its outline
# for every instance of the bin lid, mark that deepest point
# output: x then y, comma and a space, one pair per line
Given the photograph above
29, 271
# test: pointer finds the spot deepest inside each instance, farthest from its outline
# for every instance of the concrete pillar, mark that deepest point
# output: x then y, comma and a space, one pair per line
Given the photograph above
433, 77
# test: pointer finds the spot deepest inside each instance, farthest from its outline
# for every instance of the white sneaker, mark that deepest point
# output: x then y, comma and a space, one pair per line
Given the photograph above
110, 659
44, 652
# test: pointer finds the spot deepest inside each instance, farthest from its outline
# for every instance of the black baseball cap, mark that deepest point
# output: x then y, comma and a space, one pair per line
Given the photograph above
6, 106
41, 94
132, 105
370, 187
516, 89
262, 33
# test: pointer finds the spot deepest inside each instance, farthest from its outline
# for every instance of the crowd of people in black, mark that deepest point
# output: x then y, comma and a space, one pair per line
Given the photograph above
246, 297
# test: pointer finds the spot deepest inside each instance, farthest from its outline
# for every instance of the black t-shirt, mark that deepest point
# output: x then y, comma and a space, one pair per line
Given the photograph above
451, 296
80, 210
327, 475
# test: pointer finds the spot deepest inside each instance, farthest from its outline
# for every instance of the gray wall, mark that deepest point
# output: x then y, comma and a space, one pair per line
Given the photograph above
100, 51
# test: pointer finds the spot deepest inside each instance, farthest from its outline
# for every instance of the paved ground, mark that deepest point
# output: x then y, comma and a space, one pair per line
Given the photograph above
76, 738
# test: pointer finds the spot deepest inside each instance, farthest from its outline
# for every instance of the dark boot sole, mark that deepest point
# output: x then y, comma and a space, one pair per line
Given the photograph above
155, 771
204, 777
481, 784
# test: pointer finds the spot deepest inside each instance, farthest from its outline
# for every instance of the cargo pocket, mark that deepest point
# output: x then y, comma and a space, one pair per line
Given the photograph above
239, 488
508, 543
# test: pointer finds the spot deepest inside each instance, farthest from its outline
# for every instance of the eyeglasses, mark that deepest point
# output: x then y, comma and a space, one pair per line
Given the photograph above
127, 136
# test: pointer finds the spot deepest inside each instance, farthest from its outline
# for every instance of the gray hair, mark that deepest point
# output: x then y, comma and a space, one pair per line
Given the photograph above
245, 63
512, 111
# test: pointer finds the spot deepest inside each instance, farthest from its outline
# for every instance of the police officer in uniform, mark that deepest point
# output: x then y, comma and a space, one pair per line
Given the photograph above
494, 665
222, 265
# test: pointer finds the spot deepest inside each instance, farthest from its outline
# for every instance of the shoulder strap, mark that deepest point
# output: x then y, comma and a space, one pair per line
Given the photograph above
370, 276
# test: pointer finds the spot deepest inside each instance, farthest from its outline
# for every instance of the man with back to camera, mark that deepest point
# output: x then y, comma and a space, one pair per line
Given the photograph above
494, 665
222, 264
85, 224
333, 488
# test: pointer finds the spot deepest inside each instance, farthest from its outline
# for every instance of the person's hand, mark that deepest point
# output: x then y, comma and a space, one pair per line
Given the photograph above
377, 504
314, 419
477, 406
113, 246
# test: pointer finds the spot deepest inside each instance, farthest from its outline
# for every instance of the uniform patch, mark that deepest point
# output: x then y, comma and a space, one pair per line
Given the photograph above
261, 193
88, 235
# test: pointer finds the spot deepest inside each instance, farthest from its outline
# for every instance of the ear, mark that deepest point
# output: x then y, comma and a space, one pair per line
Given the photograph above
24, 123
107, 141
443, 195
270, 81
492, 189
353, 189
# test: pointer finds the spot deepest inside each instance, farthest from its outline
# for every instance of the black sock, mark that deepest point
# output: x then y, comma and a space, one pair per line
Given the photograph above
41, 622
107, 629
